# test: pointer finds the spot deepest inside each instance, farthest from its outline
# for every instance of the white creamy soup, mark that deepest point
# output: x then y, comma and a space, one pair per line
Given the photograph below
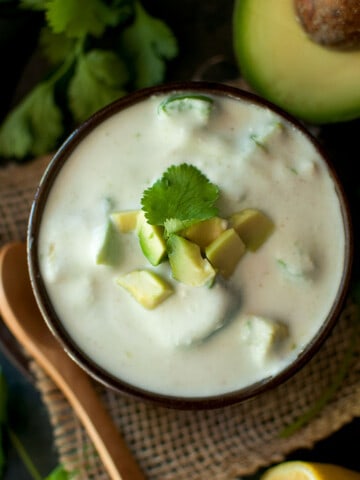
207, 339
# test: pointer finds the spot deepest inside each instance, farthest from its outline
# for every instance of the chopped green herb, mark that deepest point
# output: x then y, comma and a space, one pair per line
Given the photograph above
183, 102
182, 197
258, 142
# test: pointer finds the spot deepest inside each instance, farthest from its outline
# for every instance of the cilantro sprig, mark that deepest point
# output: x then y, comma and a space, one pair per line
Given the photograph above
97, 51
180, 198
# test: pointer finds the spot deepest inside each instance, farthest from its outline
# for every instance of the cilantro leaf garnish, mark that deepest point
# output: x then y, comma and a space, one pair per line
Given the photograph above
181, 197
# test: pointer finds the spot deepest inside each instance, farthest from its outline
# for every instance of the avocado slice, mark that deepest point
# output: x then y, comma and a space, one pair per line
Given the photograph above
225, 252
147, 287
253, 226
187, 264
281, 63
205, 232
108, 245
125, 221
151, 239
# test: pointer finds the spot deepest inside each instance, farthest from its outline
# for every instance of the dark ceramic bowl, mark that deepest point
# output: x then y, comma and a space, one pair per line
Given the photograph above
54, 322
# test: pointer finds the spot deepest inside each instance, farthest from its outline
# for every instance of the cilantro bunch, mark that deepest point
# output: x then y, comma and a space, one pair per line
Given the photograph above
97, 50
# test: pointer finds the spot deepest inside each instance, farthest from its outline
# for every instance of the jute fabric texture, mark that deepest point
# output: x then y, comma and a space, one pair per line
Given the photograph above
221, 444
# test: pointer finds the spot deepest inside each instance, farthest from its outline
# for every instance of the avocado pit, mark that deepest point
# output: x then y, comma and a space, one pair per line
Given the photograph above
332, 23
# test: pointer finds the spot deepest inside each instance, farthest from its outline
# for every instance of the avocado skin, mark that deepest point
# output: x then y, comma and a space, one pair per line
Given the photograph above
284, 66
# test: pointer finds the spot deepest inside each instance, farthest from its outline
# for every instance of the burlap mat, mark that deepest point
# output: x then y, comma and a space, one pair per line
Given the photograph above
219, 444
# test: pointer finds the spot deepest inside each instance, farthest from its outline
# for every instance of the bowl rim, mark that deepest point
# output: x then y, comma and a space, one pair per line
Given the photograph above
54, 323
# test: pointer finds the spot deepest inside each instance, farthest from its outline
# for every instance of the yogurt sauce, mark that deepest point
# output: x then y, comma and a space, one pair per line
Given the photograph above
257, 160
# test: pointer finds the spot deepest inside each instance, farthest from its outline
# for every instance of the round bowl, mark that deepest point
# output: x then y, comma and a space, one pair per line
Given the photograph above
54, 310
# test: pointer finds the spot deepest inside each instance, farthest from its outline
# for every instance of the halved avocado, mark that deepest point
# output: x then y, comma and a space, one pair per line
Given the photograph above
281, 63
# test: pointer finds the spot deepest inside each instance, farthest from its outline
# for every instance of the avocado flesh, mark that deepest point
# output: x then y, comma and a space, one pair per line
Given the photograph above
108, 252
152, 243
205, 232
279, 61
187, 264
225, 252
253, 227
148, 288
125, 221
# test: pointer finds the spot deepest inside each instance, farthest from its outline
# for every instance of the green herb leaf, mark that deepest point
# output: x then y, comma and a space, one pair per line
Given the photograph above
80, 18
33, 4
88, 80
148, 42
55, 46
34, 127
99, 79
180, 198
59, 473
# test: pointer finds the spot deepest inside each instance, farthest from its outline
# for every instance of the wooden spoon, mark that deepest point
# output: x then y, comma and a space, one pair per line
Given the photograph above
22, 316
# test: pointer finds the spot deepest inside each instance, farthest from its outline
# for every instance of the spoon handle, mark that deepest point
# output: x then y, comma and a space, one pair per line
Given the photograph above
22, 316
112, 449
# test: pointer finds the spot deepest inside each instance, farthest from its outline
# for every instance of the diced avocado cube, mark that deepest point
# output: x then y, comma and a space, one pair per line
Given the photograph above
108, 248
151, 239
187, 264
263, 335
253, 226
205, 232
125, 221
225, 252
148, 288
